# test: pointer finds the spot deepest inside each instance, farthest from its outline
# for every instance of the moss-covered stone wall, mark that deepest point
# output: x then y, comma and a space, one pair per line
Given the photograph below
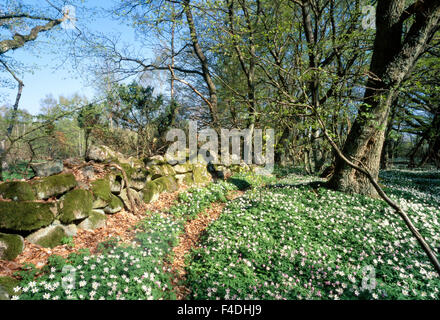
47, 209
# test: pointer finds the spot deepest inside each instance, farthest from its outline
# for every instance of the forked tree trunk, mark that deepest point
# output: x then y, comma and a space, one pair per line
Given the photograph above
392, 61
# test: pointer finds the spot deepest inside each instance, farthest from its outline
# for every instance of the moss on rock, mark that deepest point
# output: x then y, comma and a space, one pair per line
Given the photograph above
154, 160
183, 168
115, 205
11, 245
95, 220
7, 285
54, 185
101, 189
186, 178
48, 237
151, 192
75, 205
17, 191
26, 216
201, 175
167, 183
156, 171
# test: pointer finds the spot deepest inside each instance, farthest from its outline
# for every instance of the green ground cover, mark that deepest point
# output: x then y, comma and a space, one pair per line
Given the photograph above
291, 241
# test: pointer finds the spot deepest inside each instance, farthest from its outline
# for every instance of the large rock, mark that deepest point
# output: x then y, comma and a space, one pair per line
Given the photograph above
167, 184
48, 237
7, 285
95, 220
116, 183
26, 216
103, 196
154, 160
102, 193
151, 192
137, 184
134, 172
185, 178
201, 175
177, 157
105, 154
100, 154
71, 230
17, 191
54, 185
134, 194
183, 168
75, 205
115, 205
158, 171
48, 168
11, 245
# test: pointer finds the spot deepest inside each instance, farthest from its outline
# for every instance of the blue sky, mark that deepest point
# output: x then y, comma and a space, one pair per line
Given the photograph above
47, 76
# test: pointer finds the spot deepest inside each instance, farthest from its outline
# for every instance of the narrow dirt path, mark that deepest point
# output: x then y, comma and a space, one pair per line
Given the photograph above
189, 240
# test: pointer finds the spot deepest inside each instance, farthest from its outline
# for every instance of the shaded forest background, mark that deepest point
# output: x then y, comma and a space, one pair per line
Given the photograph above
235, 64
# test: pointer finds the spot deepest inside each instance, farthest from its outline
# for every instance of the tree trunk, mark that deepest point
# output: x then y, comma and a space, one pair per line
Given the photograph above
213, 100
392, 61
387, 149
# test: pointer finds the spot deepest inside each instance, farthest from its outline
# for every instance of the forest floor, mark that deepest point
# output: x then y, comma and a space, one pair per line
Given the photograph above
277, 238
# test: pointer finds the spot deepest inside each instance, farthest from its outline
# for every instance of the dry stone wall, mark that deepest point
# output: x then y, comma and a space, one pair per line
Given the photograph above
47, 209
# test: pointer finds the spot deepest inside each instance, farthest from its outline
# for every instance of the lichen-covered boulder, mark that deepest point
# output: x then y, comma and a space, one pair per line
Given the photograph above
185, 178
7, 285
100, 153
11, 245
158, 171
151, 192
95, 220
54, 185
75, 205
48, 168
134, 194
183, 168
168, 170
48, 237
26, 216
201, 175
136, 176
155, 160
115, 205
17, 191
167, 184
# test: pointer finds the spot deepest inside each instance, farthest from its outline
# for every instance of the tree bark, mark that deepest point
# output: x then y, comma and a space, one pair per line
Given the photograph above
391, 62
213, 100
